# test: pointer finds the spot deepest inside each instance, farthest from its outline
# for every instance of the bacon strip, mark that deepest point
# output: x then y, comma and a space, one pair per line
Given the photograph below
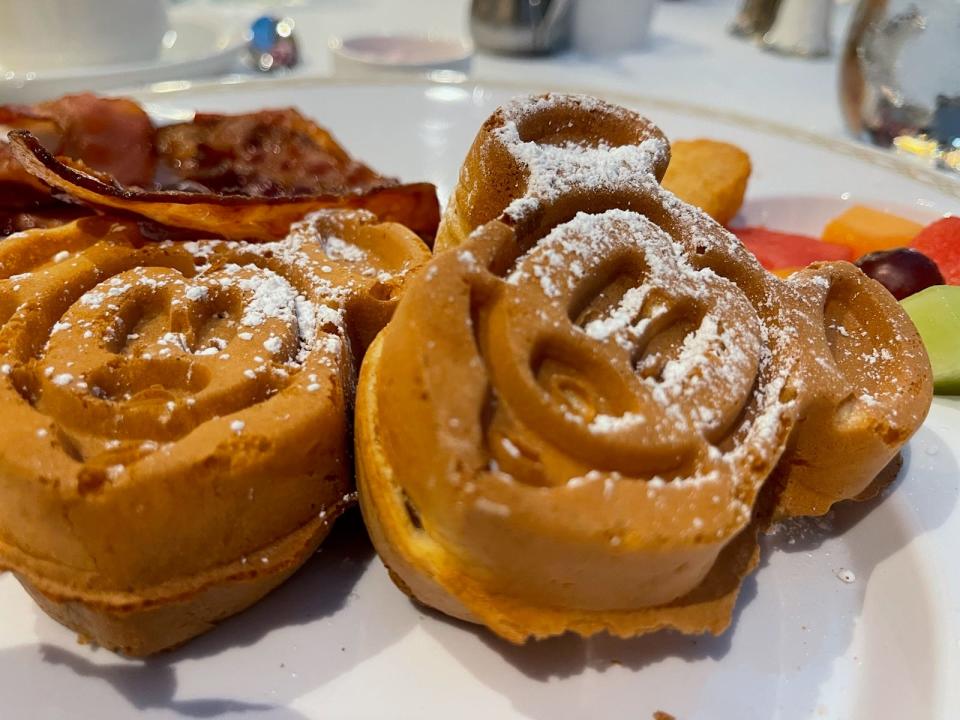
111, 135
18, 188
228, 216
269, 152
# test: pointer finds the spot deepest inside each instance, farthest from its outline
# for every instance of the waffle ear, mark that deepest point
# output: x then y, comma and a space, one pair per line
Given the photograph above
535, 160
570, 419
868, 388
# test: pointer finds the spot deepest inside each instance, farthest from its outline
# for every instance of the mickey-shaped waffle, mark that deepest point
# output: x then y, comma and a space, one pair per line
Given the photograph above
569, 421
174, 436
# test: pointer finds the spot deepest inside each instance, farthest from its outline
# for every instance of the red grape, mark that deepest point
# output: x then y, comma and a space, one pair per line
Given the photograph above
902, 271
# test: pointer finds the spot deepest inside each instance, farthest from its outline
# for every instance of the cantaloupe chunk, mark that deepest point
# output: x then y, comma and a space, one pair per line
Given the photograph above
865, 230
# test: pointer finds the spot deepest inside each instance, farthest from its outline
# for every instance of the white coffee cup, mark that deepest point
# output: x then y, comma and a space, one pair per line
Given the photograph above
38, 35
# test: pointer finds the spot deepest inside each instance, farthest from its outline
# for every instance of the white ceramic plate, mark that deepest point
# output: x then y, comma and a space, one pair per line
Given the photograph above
200, 42
339, 641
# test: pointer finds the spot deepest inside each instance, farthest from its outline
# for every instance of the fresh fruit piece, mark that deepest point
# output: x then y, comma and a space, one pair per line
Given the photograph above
936, 313
865, 230
903, 271
778, 250
940, 241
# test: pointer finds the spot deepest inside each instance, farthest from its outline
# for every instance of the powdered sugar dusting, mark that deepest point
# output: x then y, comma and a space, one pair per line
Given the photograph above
712, 373
558, 169
183, 325
337, 249
491, 507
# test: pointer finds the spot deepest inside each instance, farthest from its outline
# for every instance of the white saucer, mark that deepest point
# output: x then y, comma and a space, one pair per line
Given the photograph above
199, 43
365, 54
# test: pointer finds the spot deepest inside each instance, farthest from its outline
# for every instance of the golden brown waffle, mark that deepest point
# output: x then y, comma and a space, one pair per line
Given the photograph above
568, 422
174, 435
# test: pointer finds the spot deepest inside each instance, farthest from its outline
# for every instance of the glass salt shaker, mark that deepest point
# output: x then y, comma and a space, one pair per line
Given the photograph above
788, 27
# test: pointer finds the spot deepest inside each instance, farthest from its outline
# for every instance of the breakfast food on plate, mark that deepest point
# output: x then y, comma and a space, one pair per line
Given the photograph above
174, 437
177, 370
936, 313
780, 251
709, 174
266, 153
227, 216
915, 261
902, 271
940, 241
583, 410
203, 175
109, 135
922, 260
864, 230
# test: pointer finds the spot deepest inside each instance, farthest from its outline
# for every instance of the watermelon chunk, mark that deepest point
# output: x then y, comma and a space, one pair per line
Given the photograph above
940, 241
778, 250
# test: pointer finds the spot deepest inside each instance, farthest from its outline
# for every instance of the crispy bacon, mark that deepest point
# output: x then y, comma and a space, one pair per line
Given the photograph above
111, 135
269, 153
222, 215
18, 188
234, 176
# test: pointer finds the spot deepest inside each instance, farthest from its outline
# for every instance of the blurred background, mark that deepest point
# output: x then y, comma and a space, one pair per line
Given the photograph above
883, 71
